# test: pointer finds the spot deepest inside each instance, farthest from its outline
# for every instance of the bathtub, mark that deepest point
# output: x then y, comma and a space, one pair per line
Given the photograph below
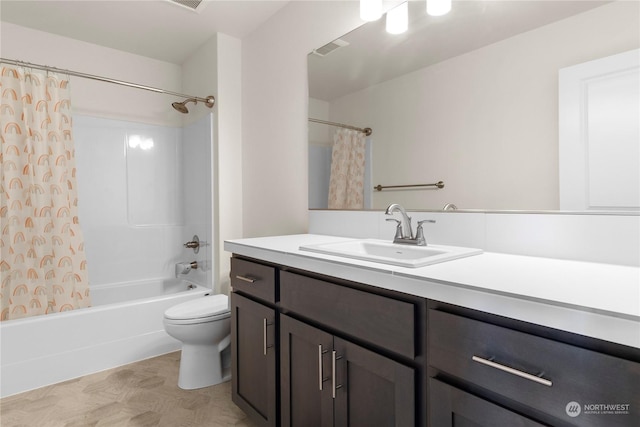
123, 326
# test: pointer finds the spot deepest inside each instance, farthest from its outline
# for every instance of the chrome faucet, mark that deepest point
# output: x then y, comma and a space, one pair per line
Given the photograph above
404, 226
404, 233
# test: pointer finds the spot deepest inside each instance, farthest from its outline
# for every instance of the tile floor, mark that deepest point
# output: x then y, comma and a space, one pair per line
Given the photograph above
140, 394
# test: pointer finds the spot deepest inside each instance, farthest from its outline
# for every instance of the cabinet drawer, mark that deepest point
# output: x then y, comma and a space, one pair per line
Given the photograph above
567, 382
253, 279
382, 321
451, 407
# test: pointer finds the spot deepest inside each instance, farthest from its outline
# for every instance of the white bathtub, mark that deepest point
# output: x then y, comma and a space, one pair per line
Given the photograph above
123, 326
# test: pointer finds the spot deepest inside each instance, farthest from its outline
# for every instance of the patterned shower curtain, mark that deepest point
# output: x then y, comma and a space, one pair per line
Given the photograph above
43, 266
346, 183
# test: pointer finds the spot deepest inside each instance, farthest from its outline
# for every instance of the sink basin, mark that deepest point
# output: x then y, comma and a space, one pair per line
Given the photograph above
392, 253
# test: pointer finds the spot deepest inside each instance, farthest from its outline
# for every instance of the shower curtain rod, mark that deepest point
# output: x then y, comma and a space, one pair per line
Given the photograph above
366, 131
99, 78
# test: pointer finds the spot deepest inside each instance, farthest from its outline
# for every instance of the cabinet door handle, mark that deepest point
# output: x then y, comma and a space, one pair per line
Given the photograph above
321, 378
334, 386
265, 323
264, 336
320, 367
513, 371
246, 279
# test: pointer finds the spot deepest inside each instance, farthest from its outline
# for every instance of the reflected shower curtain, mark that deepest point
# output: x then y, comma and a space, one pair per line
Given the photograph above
346, 184
43, 264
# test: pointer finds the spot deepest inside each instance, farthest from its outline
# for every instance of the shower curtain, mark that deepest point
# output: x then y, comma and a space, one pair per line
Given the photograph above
346, 183
43, 265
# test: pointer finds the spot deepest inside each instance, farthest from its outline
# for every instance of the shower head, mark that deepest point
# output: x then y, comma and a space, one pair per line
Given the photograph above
182, 106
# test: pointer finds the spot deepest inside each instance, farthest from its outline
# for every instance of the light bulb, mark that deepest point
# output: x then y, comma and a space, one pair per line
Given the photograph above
370, 10
398, 18
438, 7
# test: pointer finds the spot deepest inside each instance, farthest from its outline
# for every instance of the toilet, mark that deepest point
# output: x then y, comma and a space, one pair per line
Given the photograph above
203, 326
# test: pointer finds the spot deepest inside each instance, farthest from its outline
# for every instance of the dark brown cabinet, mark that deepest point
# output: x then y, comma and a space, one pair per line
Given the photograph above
310, 350
305, 374
327, 381
451, 407
253, 359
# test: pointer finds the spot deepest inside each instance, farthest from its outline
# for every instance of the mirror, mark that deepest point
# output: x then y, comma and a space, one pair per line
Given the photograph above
469, 99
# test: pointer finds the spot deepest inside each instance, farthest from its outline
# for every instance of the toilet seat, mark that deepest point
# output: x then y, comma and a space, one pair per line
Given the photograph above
201, 310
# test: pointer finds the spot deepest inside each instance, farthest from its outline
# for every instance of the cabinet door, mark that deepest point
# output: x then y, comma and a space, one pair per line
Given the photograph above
451, 407
371, 389
305, 375
253, 359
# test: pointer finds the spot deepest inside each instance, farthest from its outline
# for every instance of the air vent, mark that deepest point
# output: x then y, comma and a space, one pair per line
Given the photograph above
330, 47
190, 4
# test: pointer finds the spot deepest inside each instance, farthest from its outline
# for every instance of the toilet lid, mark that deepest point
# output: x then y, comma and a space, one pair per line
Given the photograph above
208, 306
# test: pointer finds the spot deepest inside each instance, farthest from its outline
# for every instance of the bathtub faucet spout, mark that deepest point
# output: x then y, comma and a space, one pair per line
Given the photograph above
185, 267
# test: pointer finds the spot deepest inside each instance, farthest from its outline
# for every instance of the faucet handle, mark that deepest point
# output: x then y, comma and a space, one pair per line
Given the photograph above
398, 227
432, 221
421, 241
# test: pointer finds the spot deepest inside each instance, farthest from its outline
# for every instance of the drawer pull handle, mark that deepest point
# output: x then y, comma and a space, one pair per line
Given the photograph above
334, 387
510, 370
246, 279
265, 323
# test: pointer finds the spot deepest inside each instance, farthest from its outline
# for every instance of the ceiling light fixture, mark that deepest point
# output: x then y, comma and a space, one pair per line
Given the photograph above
370, 10
438, 7
398, 19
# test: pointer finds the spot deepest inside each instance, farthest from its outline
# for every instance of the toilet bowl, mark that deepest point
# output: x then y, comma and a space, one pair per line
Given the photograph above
204, 326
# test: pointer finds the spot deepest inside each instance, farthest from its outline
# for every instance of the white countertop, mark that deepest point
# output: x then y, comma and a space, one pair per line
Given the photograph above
597, 300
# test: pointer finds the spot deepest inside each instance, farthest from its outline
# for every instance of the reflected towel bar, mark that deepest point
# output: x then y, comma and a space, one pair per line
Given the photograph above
438, 184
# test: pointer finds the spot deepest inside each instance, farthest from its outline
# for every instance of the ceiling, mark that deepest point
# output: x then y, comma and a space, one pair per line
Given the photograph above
374, 56
157, 29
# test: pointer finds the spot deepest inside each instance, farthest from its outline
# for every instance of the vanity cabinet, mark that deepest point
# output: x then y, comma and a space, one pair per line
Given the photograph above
253, 336
313, 350
326, 378
327, 381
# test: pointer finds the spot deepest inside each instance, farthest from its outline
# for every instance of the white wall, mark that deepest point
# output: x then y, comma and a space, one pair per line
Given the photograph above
229, 152
274, 112
318, 133
486, 122
95, 98
214, 69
